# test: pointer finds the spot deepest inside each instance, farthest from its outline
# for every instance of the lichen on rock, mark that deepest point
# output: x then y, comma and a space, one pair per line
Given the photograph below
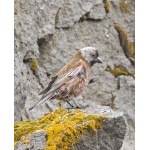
124, 6
119, 70
63, 127
51, 31
127, 46
107, 5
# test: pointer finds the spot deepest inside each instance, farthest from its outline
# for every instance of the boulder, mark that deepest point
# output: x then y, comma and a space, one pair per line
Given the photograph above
100, 128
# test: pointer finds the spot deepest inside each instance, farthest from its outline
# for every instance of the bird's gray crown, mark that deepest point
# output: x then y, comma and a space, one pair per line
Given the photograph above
91, 55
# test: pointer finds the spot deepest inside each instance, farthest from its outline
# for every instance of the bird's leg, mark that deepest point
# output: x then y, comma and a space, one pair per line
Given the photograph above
70, 104
75, 104
72, 107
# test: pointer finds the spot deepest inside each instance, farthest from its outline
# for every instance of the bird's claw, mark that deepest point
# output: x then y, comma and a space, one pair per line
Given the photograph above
77, 107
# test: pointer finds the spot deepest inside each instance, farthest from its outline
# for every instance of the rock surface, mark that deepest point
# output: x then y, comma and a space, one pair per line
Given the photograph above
109, 137
47, 34
35, 142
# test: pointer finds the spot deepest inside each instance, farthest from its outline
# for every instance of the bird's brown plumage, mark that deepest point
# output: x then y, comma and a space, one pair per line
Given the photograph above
76, 61
65, 85
69, 82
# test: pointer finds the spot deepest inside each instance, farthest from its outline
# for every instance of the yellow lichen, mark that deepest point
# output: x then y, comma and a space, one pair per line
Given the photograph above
25, 141
34, 65
131, 46
124, 7
15, 143
119, 70
57, 15
107, 5
63, 127
128, 47
123, 36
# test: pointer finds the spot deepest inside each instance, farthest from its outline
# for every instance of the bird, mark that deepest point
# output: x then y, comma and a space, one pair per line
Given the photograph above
72, 79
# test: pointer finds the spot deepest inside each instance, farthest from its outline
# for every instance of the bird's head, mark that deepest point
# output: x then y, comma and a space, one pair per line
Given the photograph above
91, 55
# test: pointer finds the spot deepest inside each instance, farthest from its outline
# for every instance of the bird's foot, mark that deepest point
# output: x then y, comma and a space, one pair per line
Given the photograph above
78, 107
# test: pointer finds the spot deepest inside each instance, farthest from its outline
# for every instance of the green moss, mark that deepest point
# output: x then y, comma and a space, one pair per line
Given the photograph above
107, 5
63, 127
124, 7
118, 70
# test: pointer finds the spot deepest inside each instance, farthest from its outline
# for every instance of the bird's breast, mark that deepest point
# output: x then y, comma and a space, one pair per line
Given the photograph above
80, 84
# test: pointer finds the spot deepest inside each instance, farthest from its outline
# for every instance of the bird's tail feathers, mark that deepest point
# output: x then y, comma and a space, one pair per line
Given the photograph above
41, 100
34, 105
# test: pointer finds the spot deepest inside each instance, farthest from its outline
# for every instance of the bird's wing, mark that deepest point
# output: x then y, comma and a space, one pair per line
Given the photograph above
76, 67
49, 85
56, 82
63, 79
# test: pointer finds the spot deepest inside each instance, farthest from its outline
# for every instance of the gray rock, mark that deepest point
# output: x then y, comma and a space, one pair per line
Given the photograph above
50, 32
33, 20
71, 12
125, 102
97, 12
35, 142
109, 137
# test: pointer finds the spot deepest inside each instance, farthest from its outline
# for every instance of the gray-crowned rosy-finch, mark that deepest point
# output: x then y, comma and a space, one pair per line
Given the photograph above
72, 79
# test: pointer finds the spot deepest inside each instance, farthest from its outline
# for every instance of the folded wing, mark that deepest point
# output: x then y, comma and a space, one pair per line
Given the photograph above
57, 83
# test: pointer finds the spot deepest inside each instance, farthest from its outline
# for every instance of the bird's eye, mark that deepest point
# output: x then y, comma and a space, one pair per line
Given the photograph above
92, 55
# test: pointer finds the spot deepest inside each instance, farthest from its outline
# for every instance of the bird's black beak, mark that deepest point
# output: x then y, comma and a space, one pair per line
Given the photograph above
98, 60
